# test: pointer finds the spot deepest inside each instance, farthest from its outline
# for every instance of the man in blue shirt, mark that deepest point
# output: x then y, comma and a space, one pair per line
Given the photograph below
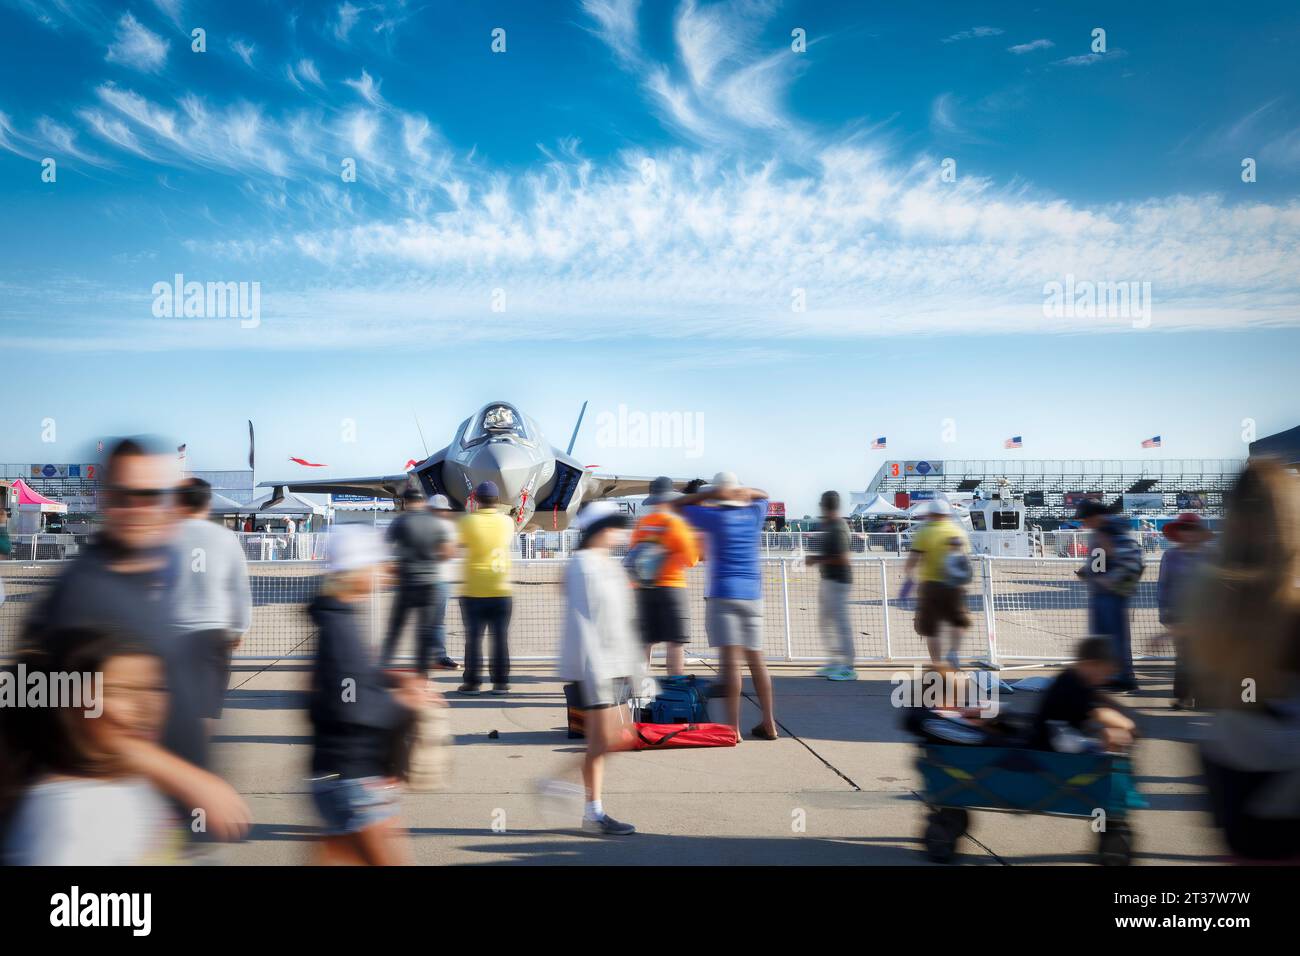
731, 519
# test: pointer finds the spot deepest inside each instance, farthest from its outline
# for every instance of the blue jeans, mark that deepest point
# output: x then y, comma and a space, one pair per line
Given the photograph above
1108, 617
428, 602
486, 614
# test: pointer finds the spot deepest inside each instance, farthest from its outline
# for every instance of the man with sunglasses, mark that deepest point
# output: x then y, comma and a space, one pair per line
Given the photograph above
126, 580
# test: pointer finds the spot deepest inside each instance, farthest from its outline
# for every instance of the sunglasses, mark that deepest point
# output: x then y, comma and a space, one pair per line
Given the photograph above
119, 497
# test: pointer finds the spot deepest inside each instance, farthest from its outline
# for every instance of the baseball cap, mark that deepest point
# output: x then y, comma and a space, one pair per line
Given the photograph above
939, 506
725, 479
487, 489
352, 547
440, 503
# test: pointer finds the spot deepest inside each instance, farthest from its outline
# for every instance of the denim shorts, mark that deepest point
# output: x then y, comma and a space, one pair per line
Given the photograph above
351, 804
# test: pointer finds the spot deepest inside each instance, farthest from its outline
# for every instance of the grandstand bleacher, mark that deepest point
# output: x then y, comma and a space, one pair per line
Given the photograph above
1179, 481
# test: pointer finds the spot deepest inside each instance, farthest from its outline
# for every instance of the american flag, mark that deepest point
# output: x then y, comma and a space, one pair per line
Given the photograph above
878, 444
180, 451
1013, 443
1152, 442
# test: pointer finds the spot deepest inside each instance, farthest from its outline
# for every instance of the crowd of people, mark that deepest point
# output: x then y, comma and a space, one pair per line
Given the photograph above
157, 605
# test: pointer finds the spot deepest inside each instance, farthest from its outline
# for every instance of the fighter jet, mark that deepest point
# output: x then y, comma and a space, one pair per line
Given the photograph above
543, 486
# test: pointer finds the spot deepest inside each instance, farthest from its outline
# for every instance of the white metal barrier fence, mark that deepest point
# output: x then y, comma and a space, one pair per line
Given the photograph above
310, 545
1020, 609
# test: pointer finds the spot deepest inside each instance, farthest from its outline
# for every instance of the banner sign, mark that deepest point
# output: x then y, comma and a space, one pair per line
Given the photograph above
1072, 498
1144, 501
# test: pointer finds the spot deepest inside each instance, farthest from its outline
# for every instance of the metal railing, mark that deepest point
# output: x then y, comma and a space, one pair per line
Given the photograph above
1020, 609
311, 545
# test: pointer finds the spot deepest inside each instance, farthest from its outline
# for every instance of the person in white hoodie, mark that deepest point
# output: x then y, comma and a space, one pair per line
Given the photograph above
600, 650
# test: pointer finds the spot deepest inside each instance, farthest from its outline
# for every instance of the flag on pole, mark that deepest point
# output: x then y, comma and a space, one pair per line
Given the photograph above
305, 463
180, 451
1153, 442
250, 445
1013, 443
878, 444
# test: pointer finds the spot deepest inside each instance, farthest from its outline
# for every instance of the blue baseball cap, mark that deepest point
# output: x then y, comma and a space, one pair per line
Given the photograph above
487, 489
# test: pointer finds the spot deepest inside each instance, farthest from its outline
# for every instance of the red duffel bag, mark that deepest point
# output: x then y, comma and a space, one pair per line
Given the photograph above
670, 736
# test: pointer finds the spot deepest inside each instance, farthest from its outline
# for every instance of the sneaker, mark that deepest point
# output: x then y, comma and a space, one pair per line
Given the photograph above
827, 671
607, 826
446, 664
843, 673
500, 690
468, 689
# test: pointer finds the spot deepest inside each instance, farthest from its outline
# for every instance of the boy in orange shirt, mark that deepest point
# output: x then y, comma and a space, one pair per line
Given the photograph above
665, 547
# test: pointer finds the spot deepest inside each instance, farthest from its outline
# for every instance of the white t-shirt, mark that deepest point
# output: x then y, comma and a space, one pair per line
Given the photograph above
211, 588
87, 822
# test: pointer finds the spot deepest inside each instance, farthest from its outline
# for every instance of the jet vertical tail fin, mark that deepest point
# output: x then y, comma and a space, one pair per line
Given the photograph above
573, 440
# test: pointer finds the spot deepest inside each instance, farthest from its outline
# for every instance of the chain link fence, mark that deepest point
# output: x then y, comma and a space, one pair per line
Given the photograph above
1020, 609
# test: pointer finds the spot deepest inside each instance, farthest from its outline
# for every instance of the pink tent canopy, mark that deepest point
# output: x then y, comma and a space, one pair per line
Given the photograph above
24, 495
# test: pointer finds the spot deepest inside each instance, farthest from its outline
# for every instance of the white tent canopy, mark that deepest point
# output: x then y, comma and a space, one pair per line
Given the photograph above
877, 506
222, 506
291, 505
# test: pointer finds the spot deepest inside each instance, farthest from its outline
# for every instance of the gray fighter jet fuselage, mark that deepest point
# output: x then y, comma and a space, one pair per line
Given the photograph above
542, 487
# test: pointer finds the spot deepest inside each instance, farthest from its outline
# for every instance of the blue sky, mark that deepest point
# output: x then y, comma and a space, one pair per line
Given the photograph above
646, 190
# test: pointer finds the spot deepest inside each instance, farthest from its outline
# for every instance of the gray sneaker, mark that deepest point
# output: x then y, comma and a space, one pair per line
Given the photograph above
607, 826
499, 690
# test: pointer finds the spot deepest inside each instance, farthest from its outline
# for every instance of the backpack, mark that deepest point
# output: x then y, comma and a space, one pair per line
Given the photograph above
644, 561
957, 570
682, 699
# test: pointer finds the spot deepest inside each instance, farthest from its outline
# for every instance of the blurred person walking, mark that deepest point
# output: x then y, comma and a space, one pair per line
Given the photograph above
214, 606
485, 603
832, 558
422, 543
1243, 630
663, 548
357, 714
125, 581
70, 792
1112, 570
939, 560
599, 651
731, 518
1180, 568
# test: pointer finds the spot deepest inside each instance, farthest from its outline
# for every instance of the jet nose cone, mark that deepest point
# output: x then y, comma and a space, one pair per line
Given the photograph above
505, 465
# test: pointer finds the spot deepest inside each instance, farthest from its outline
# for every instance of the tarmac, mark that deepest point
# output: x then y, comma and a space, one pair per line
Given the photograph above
839, 787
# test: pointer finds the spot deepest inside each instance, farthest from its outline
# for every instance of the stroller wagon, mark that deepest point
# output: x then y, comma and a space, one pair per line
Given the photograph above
957, 779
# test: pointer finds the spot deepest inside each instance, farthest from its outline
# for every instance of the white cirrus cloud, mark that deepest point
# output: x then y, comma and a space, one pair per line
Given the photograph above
136, 46
1022, 48
974, 33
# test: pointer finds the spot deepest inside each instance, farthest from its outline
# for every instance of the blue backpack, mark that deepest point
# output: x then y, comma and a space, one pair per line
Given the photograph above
682, 700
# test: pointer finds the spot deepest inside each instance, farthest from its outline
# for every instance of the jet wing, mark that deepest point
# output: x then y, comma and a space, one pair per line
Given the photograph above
620, 486
379, 486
